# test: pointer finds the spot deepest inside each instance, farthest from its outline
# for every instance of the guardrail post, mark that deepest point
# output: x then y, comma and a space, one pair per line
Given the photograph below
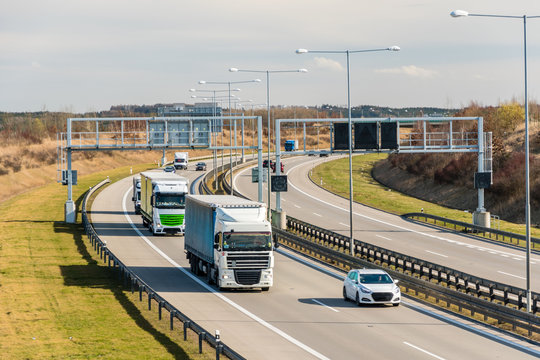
202, 336
160, 306
140, 292
186, 326
218, 345
149, 301
172, 319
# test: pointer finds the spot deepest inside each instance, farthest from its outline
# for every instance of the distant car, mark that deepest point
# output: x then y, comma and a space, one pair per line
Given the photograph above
169, 169
324, 153
265, 163
273, 166
201, 166
371, 286
311, 153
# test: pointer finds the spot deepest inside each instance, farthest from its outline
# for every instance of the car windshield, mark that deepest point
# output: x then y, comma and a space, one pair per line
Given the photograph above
239, 241
375, 279
170, 201
201, 164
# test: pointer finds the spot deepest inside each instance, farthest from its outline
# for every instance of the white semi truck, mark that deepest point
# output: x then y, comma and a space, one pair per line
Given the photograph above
229, 240
136, 198
181, 160
163, 202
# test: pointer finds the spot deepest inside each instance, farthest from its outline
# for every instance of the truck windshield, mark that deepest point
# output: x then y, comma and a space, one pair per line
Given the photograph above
170, 201
239, 241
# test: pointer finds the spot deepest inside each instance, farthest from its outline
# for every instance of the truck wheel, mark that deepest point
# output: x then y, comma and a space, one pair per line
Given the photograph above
144, 222
209, 277
266, 288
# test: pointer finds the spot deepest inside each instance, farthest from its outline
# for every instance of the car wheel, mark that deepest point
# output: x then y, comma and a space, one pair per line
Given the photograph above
345, 294
358, 303
266, 288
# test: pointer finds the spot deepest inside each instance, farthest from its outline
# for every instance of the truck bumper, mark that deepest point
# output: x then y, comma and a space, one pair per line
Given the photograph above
245, 278
169, 230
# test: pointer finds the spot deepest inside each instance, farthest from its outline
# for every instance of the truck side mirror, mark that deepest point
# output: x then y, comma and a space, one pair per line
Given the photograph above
152, 200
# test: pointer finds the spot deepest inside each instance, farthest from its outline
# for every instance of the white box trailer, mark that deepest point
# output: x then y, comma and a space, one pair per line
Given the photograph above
163, 201
181, 160
136, 197
229, 240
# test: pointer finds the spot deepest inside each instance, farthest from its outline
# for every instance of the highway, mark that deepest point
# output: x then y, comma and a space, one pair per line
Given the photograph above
308, 202
303, 316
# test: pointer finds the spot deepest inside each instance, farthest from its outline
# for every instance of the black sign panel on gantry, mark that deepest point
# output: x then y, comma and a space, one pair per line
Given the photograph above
341, 136
389, 135
365, 136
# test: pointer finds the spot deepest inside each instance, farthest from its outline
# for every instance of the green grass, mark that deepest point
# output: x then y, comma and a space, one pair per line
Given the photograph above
334, 176
58, 301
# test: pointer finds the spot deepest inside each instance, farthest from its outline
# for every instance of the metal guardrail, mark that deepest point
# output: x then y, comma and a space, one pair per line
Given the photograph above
127, 276
466, 291
493, 234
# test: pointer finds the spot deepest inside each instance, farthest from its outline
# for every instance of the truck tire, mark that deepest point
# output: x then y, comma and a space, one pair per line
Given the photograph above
209, 277
266, 288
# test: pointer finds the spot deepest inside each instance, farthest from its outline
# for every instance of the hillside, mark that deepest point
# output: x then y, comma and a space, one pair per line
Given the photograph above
447, 179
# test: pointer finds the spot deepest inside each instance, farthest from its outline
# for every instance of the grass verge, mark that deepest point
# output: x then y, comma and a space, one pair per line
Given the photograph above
370, 192
58, 300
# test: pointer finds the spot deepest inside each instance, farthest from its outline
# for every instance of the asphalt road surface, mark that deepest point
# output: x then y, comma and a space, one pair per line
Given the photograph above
303, 316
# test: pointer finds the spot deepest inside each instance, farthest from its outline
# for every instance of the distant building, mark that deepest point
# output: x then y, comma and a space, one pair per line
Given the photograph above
198, 109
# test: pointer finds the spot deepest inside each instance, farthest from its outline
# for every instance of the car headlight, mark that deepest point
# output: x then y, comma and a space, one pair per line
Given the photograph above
365, 290
396, 290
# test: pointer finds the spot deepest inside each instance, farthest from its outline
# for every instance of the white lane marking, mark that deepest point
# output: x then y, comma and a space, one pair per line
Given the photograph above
424, 351
425, 311
434, 253
317, 214
516, 276
326, 306
213, 291
381, 221
344, 224
297, 206
282, 199
383, 237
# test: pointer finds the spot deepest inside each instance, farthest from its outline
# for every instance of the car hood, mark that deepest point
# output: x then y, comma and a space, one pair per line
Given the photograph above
380, 287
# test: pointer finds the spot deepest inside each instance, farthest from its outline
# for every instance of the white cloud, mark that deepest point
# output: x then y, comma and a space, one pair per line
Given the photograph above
409, 70
327, 64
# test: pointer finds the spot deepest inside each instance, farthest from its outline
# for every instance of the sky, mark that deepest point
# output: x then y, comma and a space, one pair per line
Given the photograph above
81, 56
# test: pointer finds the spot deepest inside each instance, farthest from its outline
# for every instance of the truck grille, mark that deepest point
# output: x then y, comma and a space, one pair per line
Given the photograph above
171, 219
247, 261
247, 277
382, 296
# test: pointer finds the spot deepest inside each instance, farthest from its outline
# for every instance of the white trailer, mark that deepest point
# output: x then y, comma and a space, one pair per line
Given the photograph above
229, 240
181, 160
163, 202
136, 197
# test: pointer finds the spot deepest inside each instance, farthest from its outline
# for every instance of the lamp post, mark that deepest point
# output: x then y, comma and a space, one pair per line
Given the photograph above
214, 125
268, 72
462, 13
228, 83
347, 53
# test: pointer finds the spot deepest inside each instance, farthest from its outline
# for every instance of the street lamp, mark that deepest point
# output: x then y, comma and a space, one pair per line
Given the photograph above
278, 171
462, 13
228, 83
348, 52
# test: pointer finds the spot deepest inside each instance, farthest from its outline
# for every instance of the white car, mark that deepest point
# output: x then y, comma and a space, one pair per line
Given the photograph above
370, 286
